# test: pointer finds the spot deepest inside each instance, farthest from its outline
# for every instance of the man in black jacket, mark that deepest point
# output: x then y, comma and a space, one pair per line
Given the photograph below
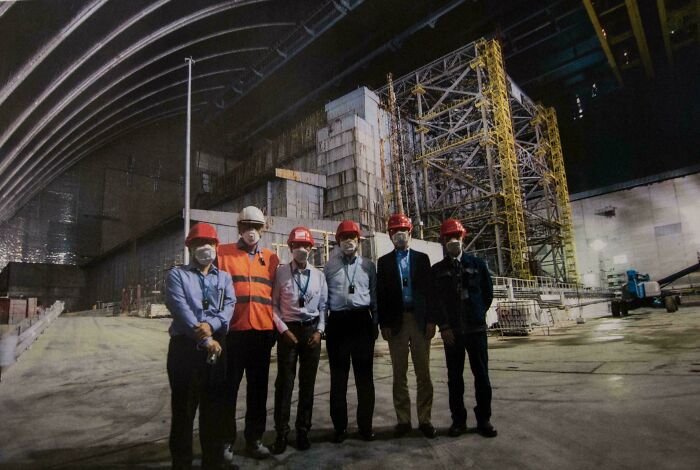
403, 279
462, 293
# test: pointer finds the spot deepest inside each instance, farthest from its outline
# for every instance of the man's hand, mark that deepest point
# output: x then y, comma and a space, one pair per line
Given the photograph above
213, 347
376, 332
315, 339
448, 336
386, 334
289, 338
202, 330
429, 331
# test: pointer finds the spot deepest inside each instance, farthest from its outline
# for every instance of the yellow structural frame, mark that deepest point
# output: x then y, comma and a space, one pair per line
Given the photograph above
504, 138
562, 192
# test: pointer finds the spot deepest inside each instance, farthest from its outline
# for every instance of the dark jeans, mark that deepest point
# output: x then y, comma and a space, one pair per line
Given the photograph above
287, 356
476, 346
194, 383
350, 337
248, 352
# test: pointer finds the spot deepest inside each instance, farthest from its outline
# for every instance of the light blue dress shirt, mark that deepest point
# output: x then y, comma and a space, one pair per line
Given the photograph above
361, 272
286, 293
186, 289
403, 261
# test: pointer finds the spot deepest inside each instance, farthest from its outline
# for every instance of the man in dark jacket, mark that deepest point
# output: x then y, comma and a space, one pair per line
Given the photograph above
403, 280
463, 292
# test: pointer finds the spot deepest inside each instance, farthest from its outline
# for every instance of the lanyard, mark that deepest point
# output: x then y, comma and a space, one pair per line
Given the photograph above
302, 292
204, 286
345, 268
408, 261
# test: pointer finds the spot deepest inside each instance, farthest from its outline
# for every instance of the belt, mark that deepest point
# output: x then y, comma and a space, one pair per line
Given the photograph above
310, 322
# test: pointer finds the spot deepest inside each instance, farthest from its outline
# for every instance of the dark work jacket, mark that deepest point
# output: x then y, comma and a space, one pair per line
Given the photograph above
448, 308
390, 293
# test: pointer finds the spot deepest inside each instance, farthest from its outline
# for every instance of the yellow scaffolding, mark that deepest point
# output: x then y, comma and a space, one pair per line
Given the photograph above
562, 192
502, 132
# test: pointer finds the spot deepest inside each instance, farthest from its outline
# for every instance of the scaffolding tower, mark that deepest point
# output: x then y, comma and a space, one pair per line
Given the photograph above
478, 150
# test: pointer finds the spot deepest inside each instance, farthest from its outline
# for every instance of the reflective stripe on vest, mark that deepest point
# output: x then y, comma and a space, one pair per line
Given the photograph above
252, 284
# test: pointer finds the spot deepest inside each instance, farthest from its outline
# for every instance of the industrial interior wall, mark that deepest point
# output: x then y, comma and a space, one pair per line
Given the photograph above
654, 229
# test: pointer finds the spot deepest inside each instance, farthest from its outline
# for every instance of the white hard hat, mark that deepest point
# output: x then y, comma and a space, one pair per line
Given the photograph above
251, 215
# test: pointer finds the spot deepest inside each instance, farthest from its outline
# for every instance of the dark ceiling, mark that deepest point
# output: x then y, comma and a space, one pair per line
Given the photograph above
77, 74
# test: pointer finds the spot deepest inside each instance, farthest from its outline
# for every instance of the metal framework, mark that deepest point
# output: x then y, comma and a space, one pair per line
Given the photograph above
484, 153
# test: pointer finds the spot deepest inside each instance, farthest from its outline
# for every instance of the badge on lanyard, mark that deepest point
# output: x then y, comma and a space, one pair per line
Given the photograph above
405, 282
301, 302
351, 289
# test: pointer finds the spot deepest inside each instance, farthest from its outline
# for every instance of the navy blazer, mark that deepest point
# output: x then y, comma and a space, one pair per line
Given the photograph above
390, 291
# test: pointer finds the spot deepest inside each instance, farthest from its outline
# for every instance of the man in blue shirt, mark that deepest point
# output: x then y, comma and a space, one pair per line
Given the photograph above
299, 300
403, 280
200, 299
351, 331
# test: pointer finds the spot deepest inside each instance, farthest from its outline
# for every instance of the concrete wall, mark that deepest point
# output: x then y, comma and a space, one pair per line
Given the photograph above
654, 229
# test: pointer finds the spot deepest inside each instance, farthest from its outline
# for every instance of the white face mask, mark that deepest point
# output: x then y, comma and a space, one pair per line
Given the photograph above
400, 240
205, 254
454, 247
251, 236
300, 255
348, 246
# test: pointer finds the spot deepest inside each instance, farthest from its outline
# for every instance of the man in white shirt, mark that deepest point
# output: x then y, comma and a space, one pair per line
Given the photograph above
299, 302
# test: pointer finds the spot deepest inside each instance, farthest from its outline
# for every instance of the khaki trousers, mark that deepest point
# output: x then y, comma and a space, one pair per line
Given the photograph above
410, 338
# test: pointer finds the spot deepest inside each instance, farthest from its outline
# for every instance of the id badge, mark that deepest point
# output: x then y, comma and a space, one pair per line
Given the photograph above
205, 304
465, 294
351, 289
405, 282
301, 302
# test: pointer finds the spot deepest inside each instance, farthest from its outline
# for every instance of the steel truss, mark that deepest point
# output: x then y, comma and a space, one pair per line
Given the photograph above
480, 151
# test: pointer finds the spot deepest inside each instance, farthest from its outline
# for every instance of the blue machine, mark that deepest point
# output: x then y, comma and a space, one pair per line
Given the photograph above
635, 285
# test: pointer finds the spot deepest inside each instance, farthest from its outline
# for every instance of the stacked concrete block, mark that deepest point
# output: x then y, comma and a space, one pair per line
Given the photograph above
349, 156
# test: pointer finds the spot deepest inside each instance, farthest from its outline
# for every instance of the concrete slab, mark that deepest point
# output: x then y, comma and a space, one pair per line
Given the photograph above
612, 393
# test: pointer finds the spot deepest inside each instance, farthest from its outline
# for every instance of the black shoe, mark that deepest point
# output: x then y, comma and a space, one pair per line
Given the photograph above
428, 430
280, 444
303, 442
486, 429
257, 450
340, 435
367, 435
402, 429
457, 430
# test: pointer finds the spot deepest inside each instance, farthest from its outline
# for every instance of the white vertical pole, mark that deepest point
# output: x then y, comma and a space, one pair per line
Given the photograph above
189, 61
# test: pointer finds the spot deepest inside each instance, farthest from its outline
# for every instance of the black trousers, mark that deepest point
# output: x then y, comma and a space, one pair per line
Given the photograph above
350, 338
476, 347
248, 352
194, 383
287, 357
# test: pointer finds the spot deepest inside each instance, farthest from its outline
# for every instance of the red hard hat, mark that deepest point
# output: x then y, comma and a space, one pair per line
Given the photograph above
300, 235
397, 221
203, 231
347, 226
452, 226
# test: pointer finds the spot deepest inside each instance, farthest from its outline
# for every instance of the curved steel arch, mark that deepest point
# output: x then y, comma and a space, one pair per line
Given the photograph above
161, 32
37, 185
51, 169
47, 161
45, 51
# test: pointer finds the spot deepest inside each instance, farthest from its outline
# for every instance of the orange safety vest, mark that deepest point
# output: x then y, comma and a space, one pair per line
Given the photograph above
252, 284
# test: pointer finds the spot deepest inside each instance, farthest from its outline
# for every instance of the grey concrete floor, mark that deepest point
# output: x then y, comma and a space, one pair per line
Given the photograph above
613, 393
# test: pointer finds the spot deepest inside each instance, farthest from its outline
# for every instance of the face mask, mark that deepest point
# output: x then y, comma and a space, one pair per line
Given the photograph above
348, 246
205, 254
454, 247
251, 237
300, 255
400, 240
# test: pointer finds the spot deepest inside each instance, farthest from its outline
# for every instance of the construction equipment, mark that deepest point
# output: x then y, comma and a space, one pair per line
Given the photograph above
641, 291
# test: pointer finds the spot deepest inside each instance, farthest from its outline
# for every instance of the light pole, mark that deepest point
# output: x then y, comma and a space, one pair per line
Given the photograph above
186, 214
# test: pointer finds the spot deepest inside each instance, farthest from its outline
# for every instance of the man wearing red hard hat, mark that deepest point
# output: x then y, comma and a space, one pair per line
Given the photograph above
351, 331
403, 281
299, 300
200, 299
462, 293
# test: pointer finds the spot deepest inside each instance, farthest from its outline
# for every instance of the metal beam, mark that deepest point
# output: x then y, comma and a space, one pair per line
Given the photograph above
638, 29
4, 6
600, 32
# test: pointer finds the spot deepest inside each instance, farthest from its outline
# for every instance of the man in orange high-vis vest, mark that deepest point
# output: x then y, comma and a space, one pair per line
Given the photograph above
251, 334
